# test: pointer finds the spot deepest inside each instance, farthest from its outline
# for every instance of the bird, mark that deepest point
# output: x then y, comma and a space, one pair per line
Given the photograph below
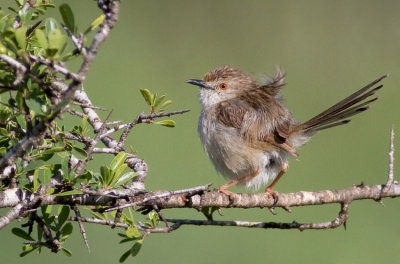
249, 134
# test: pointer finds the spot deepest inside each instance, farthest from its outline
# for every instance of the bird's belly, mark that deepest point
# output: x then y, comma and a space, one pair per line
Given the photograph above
234, 159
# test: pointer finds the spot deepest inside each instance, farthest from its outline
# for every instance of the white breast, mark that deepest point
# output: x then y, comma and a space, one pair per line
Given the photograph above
234, 159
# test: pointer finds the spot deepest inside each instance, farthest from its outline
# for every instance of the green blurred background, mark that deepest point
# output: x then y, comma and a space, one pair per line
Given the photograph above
328, 49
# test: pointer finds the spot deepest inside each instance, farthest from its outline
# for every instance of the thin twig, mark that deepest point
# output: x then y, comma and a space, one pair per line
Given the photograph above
338, 221
125, 226
189, 191
78, 41
89, 106
104, 151
115, 129
89, 148
20, 69
53, 243
17, 21
390, 179
56, 67
81, 227
142, 118
74, 112
113, 123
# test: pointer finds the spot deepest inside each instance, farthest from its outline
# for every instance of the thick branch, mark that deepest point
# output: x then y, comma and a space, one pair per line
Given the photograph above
12, 197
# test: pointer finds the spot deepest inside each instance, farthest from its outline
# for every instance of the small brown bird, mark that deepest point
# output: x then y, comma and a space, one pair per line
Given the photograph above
249, 134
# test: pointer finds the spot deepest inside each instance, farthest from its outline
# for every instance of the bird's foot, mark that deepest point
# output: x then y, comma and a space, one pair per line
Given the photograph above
223, 189
272, 193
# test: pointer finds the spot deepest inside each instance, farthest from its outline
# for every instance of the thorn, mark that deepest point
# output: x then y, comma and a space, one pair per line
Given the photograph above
361, 185
380, 201
272, 210
219, 212
287, 209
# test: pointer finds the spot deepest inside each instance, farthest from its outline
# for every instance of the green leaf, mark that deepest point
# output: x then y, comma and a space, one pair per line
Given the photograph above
118, 160
19, 2
41, 37
67, 252
22, 234
50, 24
73, 192
84, 125
97, 215
3, 151
66, 230
39, 231
124, 256
52, 150
21, 121
63, 213
132, 232
50, 191
3, 132
148, 96
46, 211
56, 40
153, 216
20, 36
26, 249
122, 235
51, 52
119, 170
48, 153
79, 153
46, 174
34, 104
105, 175
97, 22
116, 174
13, 10
126, 177
168, 102
86, 176
167, 123
10, 44
19, 98
158, 100
68, 17
36, 182
34, 164
136, 248
127, 240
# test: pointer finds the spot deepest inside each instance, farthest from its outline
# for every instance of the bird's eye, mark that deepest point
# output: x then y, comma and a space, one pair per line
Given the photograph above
223, 86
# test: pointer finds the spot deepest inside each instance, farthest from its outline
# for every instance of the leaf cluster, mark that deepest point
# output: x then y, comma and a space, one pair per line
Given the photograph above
35, 47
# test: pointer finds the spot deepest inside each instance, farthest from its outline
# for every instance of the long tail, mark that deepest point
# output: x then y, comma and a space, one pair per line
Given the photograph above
337, 114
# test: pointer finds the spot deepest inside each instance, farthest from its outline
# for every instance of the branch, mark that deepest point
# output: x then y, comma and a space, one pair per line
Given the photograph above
95, 121
389, 181
142, 118
12, 197
125, 226
338, 221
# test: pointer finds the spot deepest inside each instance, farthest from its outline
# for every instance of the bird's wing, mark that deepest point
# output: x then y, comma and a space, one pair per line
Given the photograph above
262, 121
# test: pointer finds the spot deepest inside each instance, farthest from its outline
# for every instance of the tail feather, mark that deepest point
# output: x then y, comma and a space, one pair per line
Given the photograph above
335, 115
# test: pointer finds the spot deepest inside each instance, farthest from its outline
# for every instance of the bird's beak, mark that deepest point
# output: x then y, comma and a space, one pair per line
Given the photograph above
199, 83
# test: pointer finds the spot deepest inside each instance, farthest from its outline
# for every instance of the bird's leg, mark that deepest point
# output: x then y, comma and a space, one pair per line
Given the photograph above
223, 188
269, 189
